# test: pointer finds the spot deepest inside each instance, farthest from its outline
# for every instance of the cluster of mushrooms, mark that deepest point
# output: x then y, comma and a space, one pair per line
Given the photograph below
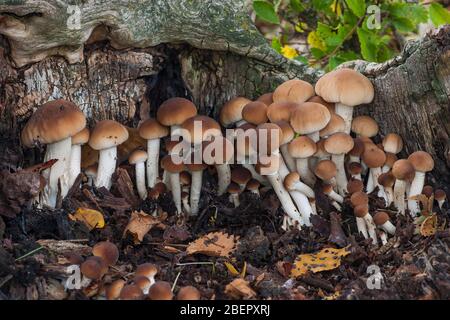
287, 140
140, 285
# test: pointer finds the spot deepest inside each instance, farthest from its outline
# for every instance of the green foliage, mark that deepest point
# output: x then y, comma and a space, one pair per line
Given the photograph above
337, 31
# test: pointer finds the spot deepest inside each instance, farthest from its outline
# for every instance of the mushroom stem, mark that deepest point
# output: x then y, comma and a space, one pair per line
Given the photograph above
196, 187
305, 174
255, 174
388, 227
290, 162
346, 113
75, 163
140, 180
354, 159
174, 178
234, 198
389, 195
152, 161
341, 177
370, 186
58, 172
415, 189
166, 180
303, 205
305, 189
186, 206
371, 228
361, 225
336, 197
224, 177
315, 136
106, 167
175, 131
399, 195
375, 173
383, 238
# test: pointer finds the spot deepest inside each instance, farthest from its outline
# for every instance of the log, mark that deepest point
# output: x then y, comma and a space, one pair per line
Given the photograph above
126, 57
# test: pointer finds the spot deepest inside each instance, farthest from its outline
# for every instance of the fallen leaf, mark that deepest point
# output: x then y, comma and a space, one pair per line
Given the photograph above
231, 269
93, 219
429, 226
239, 289
325, 296
214, 244
325, 259
139, 225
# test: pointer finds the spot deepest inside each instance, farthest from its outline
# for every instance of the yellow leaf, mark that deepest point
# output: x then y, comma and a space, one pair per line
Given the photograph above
239, 288
429, 226
231, 269
315, 41
301, 27
91, 218
325, 259
325, 296
214, 244
139, 225
289, 52
244, 270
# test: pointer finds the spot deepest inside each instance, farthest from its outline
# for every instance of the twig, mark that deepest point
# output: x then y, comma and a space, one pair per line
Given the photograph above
194, 263
176, 280
29, 253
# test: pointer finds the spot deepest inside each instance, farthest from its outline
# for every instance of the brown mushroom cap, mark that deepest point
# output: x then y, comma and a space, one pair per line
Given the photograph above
440, 195
421, 161
218, 151
365, 126
310, 117
160, 290
168, 164
286, 129
339, 143
188, 293
151, 129
200, 128
138, 156
359, 198
81, 137
380, 218
142, 282
233, 188
255, 112
131, 292
295, 90
253, 185
392, 143
112, 292
319, 99
373, 156
361, 210
387, 180
281, 111
345, 86
302, 147
270, 134
175, 111
428, 191
355, 185
266, 98
321, 152
148, 270
54, 121
231, 112
390, 159
94, 268
336, 124
325, 169
107, 134
355, 168
403, 170
106, 250
240, 175
358, 147
290, 180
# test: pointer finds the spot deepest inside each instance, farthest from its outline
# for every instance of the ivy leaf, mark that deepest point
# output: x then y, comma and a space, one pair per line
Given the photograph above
265, 11
358, 7
368, 45
438, 14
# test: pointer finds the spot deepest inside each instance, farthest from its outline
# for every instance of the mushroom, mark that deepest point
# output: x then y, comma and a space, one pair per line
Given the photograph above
143, 283
131, 292
255, 112
292, 182
54, 124
234, 190
287, 136
338, 145
152, 131
281, 111
185, 202
336, 124
381, 220
196, 185
403, 171
78, 140
148, 270
108, 251
293, 186
392, 143
231, 112
326, 171
328, 190
387, 180
173, 169
188, 293
428, 191
241, 176
294, 90
365, 126
253, 186
319, 99
93, 268
357, 150
362, 211
422, 163
91, 173
440, 197
266, 98
354, 185
112, 292
390, 160
161, 290
355, 170
105, 137
346, 88
374, 158
302, 148
173, 112
309, 118
138, 158
220, 152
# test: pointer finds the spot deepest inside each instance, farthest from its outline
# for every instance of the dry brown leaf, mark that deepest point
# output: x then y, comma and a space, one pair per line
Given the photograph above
325, 259
63, 247
93, 219
139, 225
429, 226
214, 244
239, 289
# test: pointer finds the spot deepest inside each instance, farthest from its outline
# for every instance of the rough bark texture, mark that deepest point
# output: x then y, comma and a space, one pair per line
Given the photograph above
127, 58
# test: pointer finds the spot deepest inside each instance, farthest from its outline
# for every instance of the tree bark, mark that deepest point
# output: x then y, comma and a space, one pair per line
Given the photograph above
125, 59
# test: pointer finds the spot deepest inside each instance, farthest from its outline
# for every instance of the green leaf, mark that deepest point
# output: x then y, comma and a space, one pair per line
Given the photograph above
368, 44
419, 13
403, 24
438, 14
321, 5
265, 11
317, 53
358, 7
297, 6
302, 59
276, 45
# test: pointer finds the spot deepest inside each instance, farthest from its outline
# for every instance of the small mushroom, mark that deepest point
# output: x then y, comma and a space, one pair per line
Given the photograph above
365, 126
160, 290
188, 293
131, 292
355, 170
422, 163
440, 197
143, 283
231, 112
106, 250
326, 171
234, 190
309, 118
173, 112
301, 149
148, 270
381, 220
387, 181
294, 90
112, 292
403, 171
253, 186
173, 170
78, 140
362, 211
138, 158
374, 158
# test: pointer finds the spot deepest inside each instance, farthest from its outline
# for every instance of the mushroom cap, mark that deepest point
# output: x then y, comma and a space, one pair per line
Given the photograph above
355, 185
148, 270
188, 293
253, 185
81, 137
321, 152
174, 111
361, 210
302, 147
365, 126
106, 250
151, 129
325, 169
403, 170
138, 156
168, 164
180, 145
91, 171
373, 156
200, 128
358, 148
131, 292
336, 124
345, 86
286, 129
339, 143
107, 134
293, 91
268, 164
233, 188
231, 112
355, 168
246, 139
218, 151
440, 195
266, 98
160, 290
94, 268
428, 191
54, 121
142, 282
310, 117
185, 178
327, 188
390, 159
160, 187
392, 143
359, 198
269, 137
386, 179
255, 112
319, 99
290, 180
240, 175
112, 292
380, 218
279, 111
421, 161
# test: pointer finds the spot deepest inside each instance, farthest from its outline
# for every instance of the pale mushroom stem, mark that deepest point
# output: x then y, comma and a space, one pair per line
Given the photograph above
399, 195
305, 174
375, 173
166, 180
336, 197
341, 177
255, 174
106, 167
224, 177
415, 189
140, 180
346, 113
152, 161
389, 193
75, 164
174, 178
175, 131
196, 187
354, 159
58, 172
315, 136
370, 186
361, 225
371, 228
389, 227
383, 238
234, 198
305, 189
304, 207
290, 162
